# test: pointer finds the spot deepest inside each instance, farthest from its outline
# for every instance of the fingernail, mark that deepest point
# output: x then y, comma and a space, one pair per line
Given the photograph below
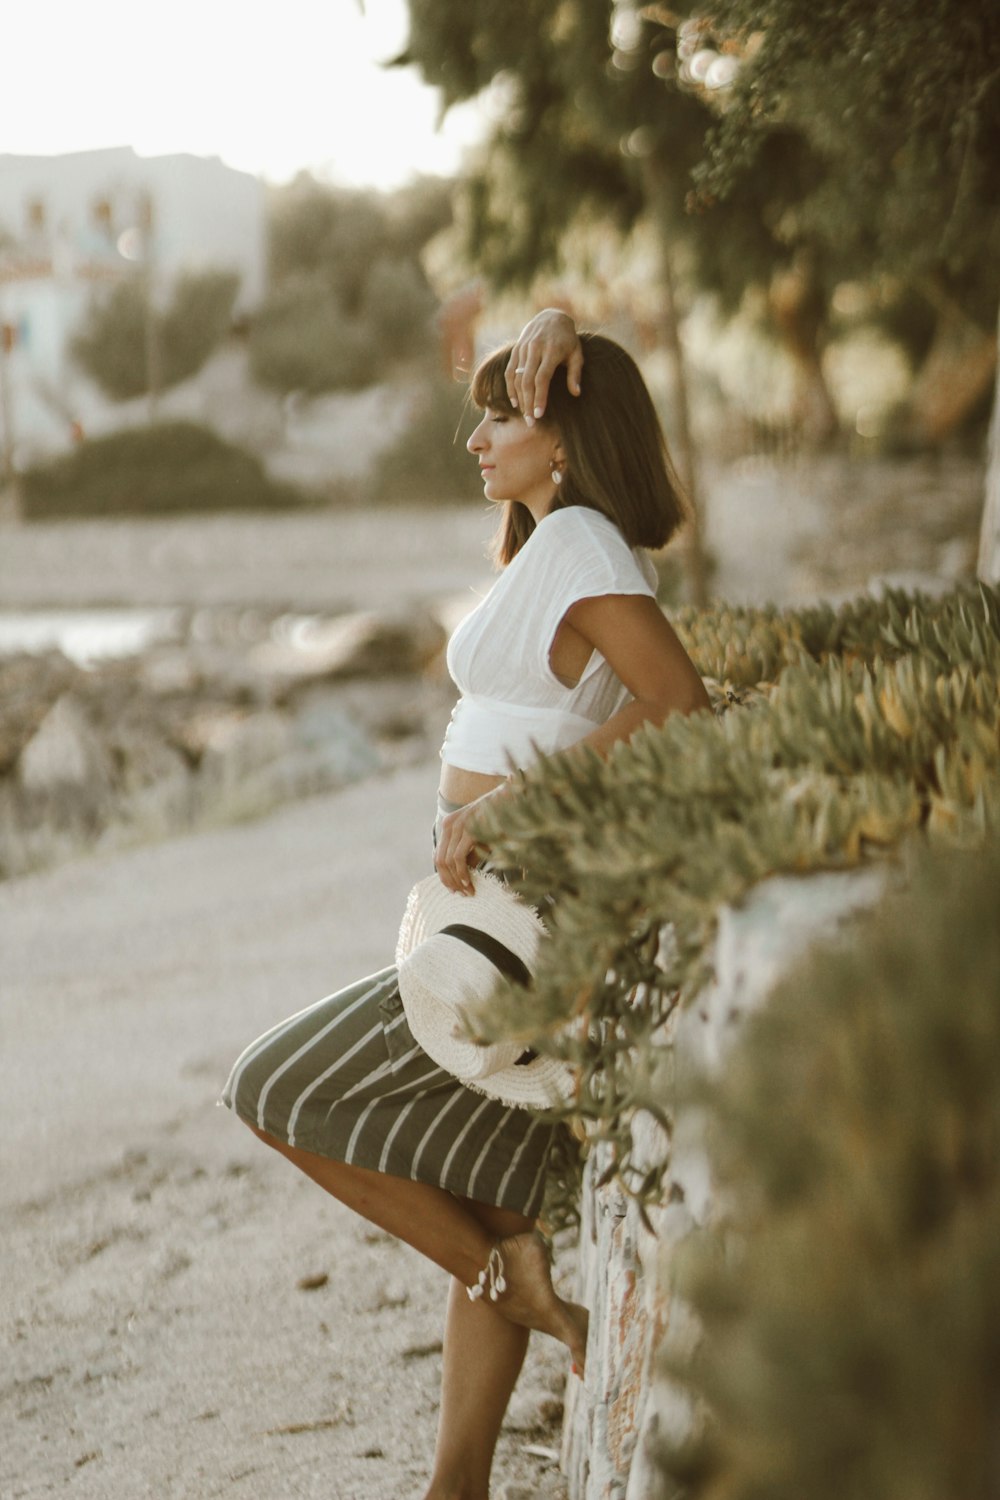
529, 420
513, 401
539, 411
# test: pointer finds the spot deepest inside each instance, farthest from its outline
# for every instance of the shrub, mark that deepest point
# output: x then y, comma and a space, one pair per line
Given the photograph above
168, 467
428, 462
870, 724
302, 340
349, 297
850, 1303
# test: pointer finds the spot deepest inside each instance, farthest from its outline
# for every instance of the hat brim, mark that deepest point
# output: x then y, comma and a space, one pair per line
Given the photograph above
440, 976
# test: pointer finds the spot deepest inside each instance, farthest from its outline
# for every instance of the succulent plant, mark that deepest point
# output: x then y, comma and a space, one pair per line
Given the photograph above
837, 735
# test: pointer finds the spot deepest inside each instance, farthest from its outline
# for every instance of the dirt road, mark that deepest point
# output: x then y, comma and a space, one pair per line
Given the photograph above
183, 1315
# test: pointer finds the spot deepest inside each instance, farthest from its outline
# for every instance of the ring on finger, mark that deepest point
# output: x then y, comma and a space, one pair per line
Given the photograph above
520, 369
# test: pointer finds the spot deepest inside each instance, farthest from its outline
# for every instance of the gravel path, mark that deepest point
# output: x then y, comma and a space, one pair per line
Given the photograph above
183, 1315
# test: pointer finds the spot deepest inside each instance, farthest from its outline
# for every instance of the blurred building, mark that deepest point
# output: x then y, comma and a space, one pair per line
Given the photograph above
69, 224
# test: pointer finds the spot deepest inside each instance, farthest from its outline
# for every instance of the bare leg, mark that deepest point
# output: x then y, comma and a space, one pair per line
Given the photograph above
433, 1221
485, 1342
483, 1355
450, 1232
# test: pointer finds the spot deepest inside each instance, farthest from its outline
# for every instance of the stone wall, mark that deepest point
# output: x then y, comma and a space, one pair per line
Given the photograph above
614, 1418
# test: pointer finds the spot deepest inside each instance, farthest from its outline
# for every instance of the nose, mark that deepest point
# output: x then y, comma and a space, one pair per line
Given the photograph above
477, 439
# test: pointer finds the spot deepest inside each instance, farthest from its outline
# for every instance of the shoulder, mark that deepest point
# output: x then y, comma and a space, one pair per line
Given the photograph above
580, 520
588, 539
580, 529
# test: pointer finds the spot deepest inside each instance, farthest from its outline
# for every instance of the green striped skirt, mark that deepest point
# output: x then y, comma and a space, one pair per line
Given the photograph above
345, 1078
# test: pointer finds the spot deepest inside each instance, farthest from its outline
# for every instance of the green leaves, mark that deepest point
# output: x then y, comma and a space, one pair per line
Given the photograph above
876, 721
349, 298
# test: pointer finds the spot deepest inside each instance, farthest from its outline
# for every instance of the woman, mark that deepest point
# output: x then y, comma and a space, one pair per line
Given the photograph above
568, 647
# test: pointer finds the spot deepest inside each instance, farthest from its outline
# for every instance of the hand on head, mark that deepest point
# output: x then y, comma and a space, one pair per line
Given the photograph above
549, 340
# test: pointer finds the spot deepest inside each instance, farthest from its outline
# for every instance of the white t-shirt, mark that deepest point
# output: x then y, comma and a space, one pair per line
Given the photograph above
513, 707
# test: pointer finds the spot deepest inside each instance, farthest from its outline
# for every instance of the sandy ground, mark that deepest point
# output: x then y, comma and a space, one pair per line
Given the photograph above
160, 1336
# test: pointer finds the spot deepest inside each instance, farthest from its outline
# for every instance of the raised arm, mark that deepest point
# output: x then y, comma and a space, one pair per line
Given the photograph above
546, 342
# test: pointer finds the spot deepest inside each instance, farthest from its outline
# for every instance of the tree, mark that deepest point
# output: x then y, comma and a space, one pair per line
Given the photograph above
349, 297
838, 140
900, 99
588, 131
112, 347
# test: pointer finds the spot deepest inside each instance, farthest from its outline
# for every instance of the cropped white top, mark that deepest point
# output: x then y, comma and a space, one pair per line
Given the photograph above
513, 707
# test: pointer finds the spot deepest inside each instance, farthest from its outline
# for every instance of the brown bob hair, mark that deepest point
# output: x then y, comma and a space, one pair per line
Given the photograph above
616, 455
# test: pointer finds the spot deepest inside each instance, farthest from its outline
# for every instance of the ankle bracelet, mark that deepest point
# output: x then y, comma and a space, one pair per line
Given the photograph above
491, 1273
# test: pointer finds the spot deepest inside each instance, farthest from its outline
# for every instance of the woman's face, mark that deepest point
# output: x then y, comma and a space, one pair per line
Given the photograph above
515, 460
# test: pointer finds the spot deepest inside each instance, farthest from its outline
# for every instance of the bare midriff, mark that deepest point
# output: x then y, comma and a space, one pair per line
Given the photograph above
460, 786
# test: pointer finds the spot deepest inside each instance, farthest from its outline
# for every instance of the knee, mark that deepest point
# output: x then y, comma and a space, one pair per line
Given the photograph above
262, 1135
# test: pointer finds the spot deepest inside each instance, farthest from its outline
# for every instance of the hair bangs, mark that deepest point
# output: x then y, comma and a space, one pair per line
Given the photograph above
489, 388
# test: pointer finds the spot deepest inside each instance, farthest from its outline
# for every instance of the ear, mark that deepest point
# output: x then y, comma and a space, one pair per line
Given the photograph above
559, 452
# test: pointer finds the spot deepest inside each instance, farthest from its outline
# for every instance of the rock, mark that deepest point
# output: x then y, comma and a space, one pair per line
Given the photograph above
361, 645
64, 751
236, 743
246, 713
170, 672
204, 669
143, 757
29, 685
330, 749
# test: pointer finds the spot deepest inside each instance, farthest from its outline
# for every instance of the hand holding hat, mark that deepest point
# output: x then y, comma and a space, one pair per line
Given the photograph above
451, 953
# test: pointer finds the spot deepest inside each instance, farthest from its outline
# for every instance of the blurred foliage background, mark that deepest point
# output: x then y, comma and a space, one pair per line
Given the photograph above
349, 300
113, 343
850, 1298
789, 211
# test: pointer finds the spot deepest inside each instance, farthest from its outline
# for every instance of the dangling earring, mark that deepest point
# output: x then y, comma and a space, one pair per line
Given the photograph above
556, 473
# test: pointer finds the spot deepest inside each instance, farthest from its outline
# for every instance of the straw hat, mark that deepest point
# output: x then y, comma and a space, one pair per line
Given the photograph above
451, 953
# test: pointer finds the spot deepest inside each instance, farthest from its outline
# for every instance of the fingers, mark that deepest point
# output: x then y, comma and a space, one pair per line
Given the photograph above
530, 379
512, 375
574, 370
456, 855
546, 342
521, 377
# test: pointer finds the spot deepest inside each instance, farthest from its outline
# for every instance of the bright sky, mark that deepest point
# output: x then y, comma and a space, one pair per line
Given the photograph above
269, 87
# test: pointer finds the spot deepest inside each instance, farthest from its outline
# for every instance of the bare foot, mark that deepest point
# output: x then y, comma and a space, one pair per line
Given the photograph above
532, 1301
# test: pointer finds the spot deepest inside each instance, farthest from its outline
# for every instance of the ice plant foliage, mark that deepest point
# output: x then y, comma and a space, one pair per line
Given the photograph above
838, 733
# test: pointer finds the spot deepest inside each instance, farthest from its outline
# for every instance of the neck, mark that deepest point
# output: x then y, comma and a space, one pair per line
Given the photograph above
541, 505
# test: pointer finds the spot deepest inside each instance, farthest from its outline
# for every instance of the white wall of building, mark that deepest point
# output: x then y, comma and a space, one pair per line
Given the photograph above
206, 214
70, 223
